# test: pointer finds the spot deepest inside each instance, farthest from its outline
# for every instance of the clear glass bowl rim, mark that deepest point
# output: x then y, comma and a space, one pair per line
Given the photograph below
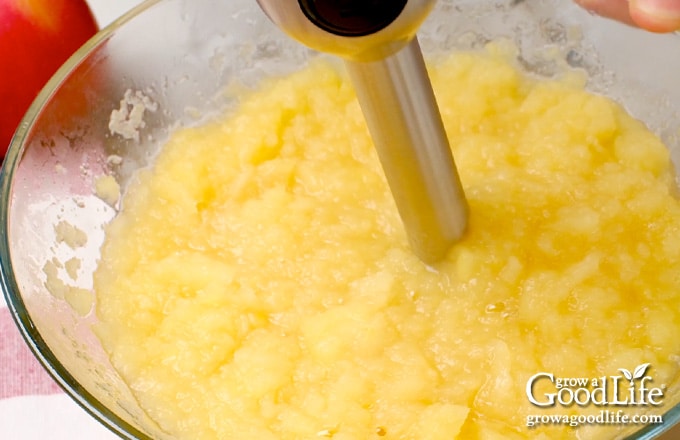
8, 283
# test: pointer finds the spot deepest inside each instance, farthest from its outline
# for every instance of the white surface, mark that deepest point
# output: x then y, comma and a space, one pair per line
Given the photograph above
105, 11
54, 417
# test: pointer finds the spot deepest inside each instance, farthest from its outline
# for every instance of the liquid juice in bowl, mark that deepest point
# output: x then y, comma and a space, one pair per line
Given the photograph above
274, 294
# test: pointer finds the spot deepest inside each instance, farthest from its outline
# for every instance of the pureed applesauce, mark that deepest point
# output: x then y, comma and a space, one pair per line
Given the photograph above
258, 283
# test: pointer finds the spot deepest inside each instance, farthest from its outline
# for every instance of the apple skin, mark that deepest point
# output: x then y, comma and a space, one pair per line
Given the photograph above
36, 38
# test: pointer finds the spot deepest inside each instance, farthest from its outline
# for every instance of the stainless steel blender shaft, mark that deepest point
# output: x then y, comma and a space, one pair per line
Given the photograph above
377, 40
399, 105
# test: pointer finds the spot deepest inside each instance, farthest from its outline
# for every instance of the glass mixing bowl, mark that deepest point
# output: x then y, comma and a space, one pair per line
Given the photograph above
165, 65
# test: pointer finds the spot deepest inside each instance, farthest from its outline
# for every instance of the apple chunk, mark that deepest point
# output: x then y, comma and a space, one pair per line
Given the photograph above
36, 37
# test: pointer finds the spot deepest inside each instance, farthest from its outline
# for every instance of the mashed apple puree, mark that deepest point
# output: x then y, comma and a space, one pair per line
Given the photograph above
258, 283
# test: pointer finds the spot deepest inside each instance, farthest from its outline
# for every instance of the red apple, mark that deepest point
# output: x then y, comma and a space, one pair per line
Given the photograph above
36, 37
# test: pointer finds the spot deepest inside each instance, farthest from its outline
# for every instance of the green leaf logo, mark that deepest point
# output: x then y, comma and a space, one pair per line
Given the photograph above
638, 372
627, 374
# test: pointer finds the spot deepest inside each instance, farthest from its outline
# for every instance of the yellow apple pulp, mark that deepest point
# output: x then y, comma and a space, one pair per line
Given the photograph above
258, 284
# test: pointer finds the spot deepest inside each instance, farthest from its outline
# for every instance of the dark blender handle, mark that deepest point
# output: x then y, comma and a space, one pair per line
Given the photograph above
356, 30
352, 18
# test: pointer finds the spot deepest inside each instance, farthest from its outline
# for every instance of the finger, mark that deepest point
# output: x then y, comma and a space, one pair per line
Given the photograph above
616, 9
656, 15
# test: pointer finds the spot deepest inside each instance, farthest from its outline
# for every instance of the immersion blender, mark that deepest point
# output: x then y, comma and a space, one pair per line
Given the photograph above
377, 39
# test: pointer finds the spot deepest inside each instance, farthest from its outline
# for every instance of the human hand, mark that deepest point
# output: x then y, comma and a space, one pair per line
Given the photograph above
652, 15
